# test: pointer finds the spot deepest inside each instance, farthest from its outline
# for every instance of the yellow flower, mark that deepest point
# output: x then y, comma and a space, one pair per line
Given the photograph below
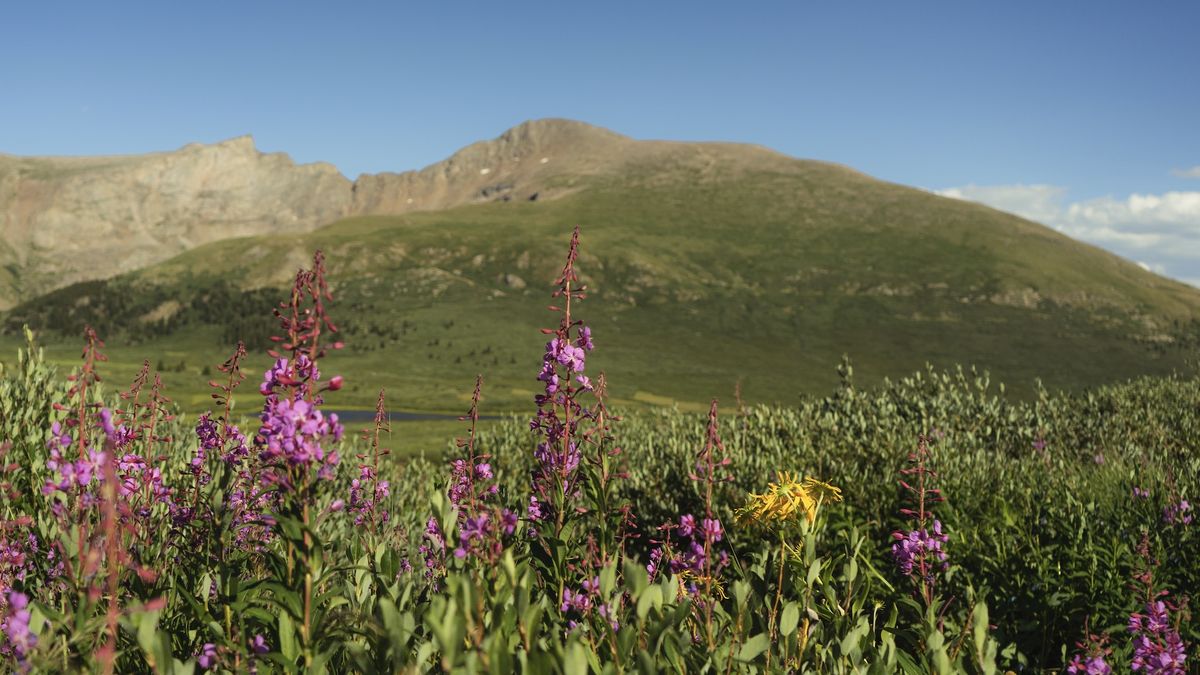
787, 497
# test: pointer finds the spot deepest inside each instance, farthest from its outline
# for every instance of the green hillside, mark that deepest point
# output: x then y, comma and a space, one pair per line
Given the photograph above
710, 264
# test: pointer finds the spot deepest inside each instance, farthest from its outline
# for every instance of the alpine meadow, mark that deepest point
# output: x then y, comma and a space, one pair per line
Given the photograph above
679, 407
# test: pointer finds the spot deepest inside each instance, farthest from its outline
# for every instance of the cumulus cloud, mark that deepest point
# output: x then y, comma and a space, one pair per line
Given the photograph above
1041, 203
1193, 172
1160, 231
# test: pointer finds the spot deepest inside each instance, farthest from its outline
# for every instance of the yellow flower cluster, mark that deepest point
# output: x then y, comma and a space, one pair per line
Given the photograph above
786, 498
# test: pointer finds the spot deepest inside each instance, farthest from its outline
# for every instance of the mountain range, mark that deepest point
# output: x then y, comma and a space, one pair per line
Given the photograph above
710, 263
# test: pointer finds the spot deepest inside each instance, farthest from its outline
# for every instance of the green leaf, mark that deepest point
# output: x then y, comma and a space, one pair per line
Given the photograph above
741, 590
575, 661
287, 638
754, 647
981, 626
790, 618
636, 577
652, 598
608, 579
814, 571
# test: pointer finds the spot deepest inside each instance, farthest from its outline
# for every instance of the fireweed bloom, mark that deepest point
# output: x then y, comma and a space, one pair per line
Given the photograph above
72, 473
1089, 665
1092, 657
557, 454
258, 644
585, 601
366, 493
695, 554
134, 476
1158, 649
1178, 513
293, 439
465, 480
252, 505
295, 432
434, 552
17, 557
207, 657
19, 637
920, 551
209, 442
912, 545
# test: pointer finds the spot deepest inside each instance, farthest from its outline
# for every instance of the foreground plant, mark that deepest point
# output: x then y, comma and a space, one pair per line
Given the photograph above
1158, 648
133, 542
920, 552
774, 509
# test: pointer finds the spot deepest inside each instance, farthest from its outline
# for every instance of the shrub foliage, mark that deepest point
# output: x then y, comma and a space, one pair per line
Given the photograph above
929, 524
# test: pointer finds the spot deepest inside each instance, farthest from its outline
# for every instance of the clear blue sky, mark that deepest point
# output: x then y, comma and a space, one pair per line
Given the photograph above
1095, 99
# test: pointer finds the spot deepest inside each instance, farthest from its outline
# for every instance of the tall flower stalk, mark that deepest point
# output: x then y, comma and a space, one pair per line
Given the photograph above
295, 439
1158, 647
919, 552
367, 491
711, 470
482, 525
559, 413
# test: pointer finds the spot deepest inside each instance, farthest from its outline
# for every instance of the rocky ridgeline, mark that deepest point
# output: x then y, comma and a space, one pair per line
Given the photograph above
66, 219
528, 162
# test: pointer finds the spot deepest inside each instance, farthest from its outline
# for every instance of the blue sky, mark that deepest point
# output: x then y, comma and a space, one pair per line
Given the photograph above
1063, 111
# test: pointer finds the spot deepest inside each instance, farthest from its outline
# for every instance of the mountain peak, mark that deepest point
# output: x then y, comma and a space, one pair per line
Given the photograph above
557, 130
243, 143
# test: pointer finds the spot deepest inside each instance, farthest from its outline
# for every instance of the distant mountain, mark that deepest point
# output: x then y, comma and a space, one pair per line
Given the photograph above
68, 219
710, 263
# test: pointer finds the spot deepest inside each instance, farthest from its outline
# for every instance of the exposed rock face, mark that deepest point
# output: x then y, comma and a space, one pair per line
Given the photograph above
516, 166
69, 219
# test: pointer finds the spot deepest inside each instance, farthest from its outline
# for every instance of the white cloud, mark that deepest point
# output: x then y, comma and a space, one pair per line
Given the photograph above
1162, 231
1173, 211
1193, 172
1041, 203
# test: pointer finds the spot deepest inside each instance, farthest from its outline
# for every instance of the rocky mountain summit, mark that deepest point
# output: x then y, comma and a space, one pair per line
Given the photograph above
70, 219
534, 160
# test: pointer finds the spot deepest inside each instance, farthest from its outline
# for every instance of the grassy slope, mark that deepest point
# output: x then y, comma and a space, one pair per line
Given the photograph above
704, 273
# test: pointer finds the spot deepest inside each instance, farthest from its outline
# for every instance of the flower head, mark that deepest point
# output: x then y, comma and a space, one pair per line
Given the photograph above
785, 499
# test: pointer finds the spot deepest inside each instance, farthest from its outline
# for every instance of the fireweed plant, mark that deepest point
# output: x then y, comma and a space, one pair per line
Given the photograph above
920, 552
697, 555
1158, 648
369, 492
135, 541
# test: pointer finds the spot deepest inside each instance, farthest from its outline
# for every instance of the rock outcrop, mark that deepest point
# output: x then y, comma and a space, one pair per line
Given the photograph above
64, 220
531, 161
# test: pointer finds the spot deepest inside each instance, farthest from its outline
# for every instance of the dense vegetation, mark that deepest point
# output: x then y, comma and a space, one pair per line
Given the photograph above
926, 524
